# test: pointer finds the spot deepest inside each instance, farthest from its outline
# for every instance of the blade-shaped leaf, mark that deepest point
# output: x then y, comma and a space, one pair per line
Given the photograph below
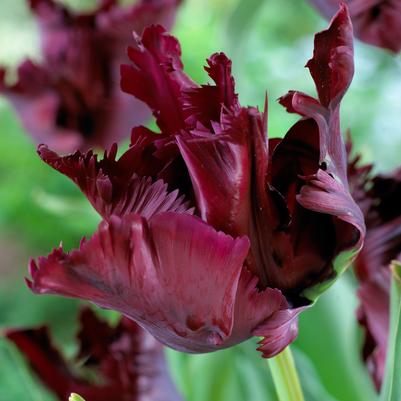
391, 390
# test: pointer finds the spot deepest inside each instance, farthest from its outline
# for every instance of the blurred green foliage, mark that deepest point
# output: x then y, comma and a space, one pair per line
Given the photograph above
269, 42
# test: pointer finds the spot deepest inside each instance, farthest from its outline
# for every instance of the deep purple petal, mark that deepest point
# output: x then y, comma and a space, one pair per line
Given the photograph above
220, 167
156, 76
324, 194
204, 105
278, 332
175, 275
326, 190
332, 65
113, 186
229, 175
266, 313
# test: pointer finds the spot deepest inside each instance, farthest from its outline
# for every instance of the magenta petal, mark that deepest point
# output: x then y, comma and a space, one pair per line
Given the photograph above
156, 76
112, 186
175, 275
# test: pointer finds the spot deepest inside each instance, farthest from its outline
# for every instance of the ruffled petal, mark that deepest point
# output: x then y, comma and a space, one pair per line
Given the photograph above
156, 76
264, 313
278, 332
204, 105
309, 170
127, 360
175, 275
332, 69
113, 186
324, 194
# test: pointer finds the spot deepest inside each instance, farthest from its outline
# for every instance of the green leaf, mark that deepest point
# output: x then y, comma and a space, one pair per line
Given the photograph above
391, 390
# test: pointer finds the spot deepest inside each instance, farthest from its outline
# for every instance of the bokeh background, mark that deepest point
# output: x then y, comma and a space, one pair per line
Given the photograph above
269, 42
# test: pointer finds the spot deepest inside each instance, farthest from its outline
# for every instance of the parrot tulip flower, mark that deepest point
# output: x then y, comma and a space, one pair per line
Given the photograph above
72, 100
379, 198
377, 22
212, 233
129, 361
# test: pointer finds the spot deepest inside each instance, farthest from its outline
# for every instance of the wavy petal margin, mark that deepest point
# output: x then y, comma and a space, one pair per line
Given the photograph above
113, 186
175, 275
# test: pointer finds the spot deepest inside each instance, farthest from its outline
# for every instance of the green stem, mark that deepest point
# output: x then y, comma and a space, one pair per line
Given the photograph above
285, 377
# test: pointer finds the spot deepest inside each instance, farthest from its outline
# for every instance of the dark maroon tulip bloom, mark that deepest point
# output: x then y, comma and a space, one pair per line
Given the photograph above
377, 22
128, 363
380, 199
72, 100
211, 232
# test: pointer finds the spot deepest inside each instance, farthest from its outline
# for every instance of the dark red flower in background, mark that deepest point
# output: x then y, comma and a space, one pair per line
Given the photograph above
380, 200
212, 233
72, 100
128, 363
377, 22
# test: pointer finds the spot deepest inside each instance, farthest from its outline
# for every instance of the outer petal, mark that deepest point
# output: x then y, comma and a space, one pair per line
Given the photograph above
113, 186
332, 65
267, 313
128, 361
156, 76
376, 22
309, 170
175, 275
305, 247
